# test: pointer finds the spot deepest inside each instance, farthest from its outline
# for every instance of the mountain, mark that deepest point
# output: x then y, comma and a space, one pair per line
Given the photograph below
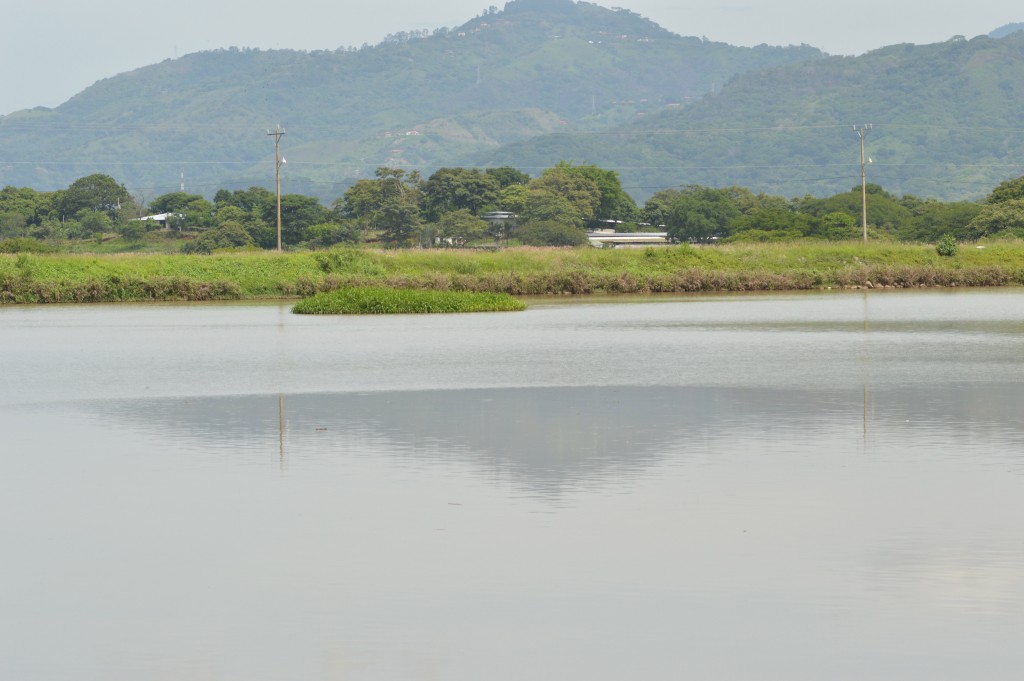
1006, 30
536, 67
946, 123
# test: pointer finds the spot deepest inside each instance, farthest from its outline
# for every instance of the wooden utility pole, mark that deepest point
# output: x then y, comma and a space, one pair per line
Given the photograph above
278, 134
861, 131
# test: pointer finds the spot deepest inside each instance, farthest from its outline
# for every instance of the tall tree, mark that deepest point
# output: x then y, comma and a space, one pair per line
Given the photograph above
508, 176
451, 189
298, 213
581, 193
1007, 191
96, 192
614, 203
390, 203
701, 213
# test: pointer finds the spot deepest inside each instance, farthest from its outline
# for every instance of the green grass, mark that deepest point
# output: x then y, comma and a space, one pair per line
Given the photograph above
398, 301
46, 278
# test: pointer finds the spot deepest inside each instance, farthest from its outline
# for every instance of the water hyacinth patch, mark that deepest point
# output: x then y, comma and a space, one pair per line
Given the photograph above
404, 301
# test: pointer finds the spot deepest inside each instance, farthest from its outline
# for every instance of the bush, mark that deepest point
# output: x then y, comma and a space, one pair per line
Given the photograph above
947, 246
23, 244
229, 235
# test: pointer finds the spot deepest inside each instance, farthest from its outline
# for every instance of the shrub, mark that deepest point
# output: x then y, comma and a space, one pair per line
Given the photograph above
229, 234
947, 246
23, 244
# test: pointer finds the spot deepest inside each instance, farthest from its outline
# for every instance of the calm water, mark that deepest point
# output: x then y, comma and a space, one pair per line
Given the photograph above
825, 486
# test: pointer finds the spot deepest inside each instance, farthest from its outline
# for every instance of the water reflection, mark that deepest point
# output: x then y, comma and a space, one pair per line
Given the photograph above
831, 485
548, 440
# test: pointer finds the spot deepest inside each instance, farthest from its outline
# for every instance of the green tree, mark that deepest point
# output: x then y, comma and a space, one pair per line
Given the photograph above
398, 220
229, 212
773, 218
361, 200
254, 200
514, 198
613, 202
700, 214
97, 192
132, 230
12, 224
25, 208
93, 222
329, 234
1004, 216
174, 202
884, 210
838, 226
1009, 190
550, 233
461, 227
657, 208
229, 234
508, 176
547, 205
451, 189
581, 192
933, 219
389, 204
298, 213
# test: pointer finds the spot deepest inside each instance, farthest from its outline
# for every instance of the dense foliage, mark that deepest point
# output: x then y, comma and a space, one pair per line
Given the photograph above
457, 207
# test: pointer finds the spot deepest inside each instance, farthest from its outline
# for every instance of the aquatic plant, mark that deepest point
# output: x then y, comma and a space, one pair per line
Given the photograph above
404, 301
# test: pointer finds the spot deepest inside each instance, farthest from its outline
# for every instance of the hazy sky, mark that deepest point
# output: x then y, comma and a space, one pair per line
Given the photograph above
52, 49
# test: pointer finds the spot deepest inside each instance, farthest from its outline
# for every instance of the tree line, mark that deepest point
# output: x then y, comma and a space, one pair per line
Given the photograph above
399, 208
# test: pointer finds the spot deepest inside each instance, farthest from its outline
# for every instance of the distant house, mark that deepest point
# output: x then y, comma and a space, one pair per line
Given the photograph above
161, 218
500, 222
602, 238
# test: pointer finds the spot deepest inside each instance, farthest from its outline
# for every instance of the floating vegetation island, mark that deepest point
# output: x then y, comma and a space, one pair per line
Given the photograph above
405, 301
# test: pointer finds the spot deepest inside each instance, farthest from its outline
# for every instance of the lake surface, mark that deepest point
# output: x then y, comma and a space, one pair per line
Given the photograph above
812, 486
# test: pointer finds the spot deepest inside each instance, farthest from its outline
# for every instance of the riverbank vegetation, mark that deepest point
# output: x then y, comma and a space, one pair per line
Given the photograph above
59, 278
404, 301
491, 230
472, 208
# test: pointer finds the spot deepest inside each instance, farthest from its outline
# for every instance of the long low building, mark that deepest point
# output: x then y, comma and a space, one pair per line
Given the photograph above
602, 238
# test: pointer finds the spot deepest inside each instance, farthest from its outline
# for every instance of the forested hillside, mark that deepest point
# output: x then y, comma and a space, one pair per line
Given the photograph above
415, 100
947, 123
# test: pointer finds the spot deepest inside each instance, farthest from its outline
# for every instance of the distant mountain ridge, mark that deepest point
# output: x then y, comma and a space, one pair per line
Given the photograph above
535, 83
946, 124
1006, 30
535, 67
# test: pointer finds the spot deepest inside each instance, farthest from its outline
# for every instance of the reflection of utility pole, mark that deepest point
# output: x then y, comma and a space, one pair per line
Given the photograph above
278, 134
861, 131
280, 426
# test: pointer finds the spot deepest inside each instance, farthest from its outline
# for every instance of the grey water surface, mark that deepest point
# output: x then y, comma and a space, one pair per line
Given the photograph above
797, 486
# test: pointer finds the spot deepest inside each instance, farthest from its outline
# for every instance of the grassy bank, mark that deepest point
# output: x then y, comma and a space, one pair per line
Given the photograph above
54, 278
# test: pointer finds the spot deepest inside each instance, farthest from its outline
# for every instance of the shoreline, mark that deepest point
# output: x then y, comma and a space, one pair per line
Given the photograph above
85, 278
